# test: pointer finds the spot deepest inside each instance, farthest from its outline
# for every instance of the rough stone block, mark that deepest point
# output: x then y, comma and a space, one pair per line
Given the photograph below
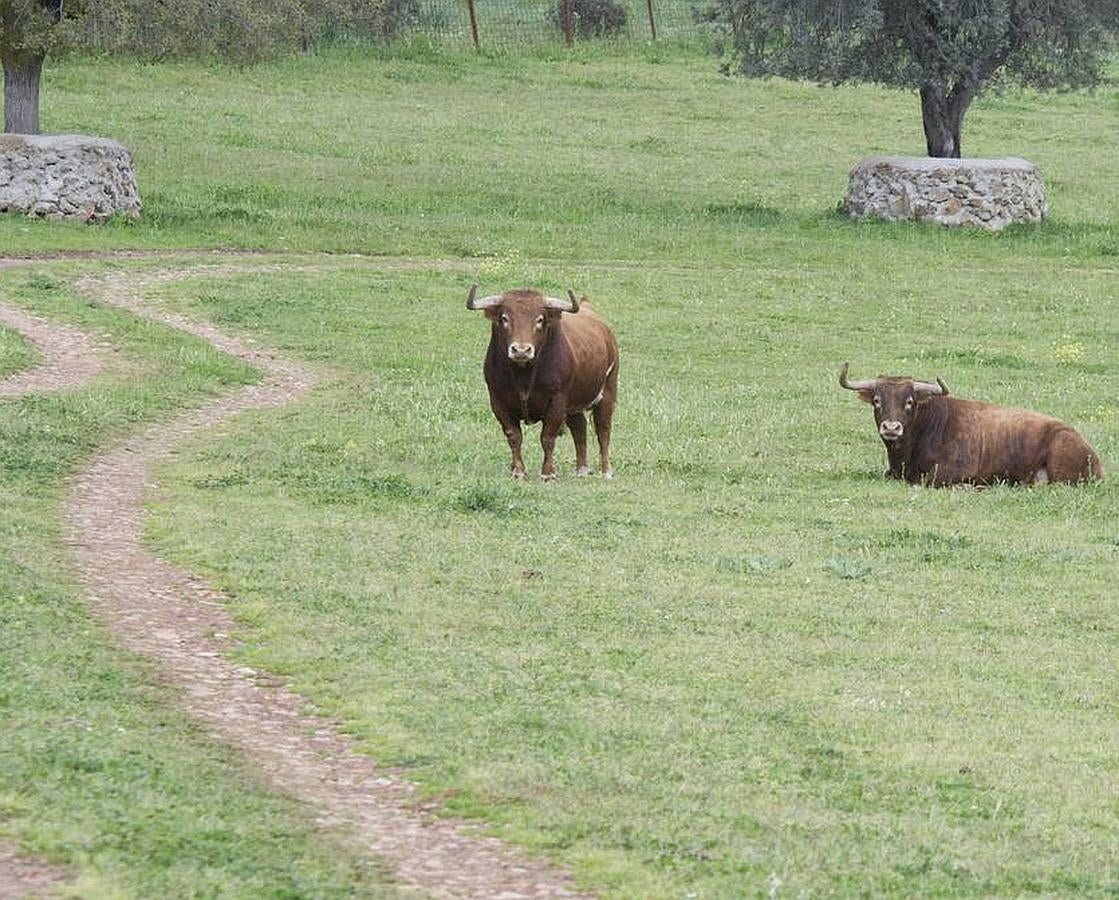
985, 193
66, 176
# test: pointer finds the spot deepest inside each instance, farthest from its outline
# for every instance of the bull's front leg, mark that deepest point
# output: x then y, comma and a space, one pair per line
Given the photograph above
553, 425
511, 425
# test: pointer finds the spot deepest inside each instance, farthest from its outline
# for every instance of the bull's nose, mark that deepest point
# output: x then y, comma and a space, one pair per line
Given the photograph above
891, 431
521, 352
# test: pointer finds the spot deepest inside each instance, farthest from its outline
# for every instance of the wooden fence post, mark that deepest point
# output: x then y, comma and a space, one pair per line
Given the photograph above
568, 30
652, 21
473, 24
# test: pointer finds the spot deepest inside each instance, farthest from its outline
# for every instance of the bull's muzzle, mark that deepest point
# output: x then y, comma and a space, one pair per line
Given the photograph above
891, 430
521, 354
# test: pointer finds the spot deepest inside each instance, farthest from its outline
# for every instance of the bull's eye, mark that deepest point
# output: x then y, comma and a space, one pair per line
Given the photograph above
505, 320
877, 402
908, 404
539, 322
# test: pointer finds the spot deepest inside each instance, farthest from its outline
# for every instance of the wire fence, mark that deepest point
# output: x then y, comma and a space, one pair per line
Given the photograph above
508, 24
248, 30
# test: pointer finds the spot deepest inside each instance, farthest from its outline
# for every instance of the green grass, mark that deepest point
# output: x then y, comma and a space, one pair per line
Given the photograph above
750, 654
15, 353
749, 664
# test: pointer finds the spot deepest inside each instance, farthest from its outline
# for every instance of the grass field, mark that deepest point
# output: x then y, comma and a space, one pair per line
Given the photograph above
748, 665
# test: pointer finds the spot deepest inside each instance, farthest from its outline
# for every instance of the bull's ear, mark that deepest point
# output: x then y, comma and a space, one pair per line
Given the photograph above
924, 391
570, 305
866, 396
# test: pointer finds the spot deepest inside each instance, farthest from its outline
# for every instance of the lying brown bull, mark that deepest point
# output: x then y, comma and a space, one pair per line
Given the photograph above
550, 361
935, 439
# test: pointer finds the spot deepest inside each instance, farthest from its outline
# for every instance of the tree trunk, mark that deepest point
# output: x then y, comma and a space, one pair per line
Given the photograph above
943, 116
21, 92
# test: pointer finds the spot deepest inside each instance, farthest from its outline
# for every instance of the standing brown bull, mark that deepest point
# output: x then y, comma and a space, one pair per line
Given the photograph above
935, 439
550, 361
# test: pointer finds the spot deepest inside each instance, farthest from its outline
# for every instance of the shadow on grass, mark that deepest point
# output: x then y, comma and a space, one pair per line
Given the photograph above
748, 213
1052, 237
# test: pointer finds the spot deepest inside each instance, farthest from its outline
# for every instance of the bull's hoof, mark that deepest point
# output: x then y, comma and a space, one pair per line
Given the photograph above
547, 476
608, 474
519, 474
582, 471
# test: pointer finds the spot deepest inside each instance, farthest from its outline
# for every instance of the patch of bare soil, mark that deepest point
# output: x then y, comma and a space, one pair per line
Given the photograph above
176, 621
22, 876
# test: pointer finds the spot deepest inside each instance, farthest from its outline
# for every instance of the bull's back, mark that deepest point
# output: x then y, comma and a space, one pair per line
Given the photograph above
1015, 444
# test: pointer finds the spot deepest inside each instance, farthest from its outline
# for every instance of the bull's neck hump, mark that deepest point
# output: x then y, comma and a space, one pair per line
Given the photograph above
930, 424
927, 431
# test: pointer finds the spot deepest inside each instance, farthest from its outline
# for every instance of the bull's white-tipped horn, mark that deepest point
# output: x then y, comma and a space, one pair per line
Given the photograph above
471, 303
570, 306
928, 388
867, 385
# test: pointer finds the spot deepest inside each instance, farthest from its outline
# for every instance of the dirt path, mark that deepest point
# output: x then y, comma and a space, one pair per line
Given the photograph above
170, 617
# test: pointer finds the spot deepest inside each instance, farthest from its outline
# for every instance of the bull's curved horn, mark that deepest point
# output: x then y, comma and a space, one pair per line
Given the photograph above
940, 388
563, 305
574, 300
471, 303
866, 385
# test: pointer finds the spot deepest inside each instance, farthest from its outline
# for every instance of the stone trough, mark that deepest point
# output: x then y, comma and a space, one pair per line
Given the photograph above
66, 176
985, 193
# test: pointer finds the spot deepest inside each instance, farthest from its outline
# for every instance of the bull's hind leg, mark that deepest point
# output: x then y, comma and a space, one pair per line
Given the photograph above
1071, 459
577, 422
603, 414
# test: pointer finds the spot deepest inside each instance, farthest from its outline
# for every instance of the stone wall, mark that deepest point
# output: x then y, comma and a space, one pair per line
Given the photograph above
66, 176
986, 193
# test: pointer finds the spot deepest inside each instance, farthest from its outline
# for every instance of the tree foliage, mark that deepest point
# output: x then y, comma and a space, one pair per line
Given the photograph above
950, 50
34, 26
237, 30
234, 30
592, 18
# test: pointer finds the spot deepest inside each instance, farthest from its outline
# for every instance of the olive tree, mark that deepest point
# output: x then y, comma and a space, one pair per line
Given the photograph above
28, 30
948, 50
